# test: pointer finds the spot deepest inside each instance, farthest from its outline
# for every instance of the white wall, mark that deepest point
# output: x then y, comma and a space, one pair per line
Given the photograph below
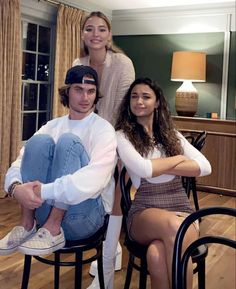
187, 19
47, 12
40, 10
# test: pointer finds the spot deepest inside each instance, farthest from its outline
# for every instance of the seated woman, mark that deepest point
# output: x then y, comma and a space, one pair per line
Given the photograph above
156, 155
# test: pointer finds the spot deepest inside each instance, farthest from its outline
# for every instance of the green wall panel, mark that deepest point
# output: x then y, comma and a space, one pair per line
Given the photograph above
152, 56
231, 99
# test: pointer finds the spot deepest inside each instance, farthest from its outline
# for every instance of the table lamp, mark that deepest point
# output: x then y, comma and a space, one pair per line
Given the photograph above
188, 66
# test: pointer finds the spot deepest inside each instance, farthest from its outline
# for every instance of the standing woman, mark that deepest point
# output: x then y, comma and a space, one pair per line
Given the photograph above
115, 73
115, 70
156, 155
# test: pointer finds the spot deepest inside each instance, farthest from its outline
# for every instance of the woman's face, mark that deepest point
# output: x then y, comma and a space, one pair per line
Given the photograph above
143, 101
96, 34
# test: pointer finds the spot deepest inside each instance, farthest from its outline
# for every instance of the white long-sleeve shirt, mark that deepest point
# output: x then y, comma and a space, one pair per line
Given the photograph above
117, 75
99, 139
140, 167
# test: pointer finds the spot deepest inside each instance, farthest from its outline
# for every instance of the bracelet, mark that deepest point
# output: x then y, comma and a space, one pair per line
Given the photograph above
12, 187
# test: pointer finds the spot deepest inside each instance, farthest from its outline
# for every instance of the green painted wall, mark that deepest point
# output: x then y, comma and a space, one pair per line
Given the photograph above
231, 100
152, 56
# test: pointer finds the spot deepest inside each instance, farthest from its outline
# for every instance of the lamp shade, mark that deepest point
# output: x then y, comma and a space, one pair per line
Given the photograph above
188, 65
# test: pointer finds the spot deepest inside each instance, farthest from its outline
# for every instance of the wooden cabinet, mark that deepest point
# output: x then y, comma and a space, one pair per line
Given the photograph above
220, 150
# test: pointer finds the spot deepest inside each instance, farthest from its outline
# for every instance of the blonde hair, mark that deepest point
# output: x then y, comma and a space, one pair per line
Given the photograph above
110, 46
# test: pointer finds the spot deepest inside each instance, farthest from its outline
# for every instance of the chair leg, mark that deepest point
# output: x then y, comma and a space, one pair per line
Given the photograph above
100, 270
26, 272
56, 270
143, 274
201, 274
129, 272
195, 198
188, 188
78, 269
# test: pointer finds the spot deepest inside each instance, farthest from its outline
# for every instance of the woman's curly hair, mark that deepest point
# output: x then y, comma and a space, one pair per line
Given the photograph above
164, 132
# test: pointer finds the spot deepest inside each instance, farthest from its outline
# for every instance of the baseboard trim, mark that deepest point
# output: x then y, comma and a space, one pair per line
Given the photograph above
217, 190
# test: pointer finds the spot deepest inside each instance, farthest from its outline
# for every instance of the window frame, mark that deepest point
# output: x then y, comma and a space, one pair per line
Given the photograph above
49, 82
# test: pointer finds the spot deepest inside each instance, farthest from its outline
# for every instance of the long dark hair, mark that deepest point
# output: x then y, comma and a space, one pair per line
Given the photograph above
164, 132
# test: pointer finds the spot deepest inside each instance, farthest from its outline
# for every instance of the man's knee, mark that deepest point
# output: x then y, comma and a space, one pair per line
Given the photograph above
69, 141
39, 141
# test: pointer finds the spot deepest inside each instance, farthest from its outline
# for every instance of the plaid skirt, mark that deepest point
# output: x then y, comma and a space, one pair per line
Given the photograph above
170, 196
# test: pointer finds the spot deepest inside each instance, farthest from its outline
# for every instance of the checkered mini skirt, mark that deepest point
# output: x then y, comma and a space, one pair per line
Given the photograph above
170, 196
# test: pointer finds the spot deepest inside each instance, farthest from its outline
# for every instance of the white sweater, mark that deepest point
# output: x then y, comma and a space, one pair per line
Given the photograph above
99, 139
117, 75
139, 167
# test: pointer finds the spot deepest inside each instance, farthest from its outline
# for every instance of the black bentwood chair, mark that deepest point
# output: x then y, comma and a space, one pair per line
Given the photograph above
189, 183
77, 248
180, 260
137, 252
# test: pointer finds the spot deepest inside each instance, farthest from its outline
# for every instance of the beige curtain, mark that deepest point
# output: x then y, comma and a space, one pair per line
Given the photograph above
67, 49
10, 84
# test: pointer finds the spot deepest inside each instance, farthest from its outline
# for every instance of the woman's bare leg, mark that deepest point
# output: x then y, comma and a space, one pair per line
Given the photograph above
157, 224
157, 266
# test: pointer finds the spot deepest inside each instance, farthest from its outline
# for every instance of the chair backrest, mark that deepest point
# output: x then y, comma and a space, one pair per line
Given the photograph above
179, 266
200, 140
125, 186
189, 183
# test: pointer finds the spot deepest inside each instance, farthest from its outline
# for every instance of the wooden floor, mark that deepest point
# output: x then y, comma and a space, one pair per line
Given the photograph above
220, 269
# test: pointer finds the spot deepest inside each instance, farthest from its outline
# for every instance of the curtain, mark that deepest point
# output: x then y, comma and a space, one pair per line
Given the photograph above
10, 84
67, 49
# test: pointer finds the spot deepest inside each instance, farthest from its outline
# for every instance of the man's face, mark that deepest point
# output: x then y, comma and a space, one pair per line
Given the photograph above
81, 99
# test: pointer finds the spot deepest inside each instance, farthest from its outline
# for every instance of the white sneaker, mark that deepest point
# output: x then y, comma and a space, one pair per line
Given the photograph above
118, 262
42, 243
15, 238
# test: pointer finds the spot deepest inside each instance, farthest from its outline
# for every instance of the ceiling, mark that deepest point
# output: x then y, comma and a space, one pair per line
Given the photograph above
136, 4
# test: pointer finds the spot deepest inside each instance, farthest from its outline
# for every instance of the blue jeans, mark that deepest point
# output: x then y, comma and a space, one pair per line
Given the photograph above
44, 160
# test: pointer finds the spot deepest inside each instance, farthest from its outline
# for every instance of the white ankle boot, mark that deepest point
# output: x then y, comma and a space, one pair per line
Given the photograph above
108, 279
109, 253
118, 261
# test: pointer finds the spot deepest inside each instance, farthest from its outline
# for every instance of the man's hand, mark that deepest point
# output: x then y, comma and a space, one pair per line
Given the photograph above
28, 195
37, 188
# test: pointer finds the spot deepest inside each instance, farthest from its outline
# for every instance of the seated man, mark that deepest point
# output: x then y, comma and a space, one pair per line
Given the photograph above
63, 177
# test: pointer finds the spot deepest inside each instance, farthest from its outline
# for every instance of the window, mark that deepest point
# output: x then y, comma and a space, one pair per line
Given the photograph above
36, 77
